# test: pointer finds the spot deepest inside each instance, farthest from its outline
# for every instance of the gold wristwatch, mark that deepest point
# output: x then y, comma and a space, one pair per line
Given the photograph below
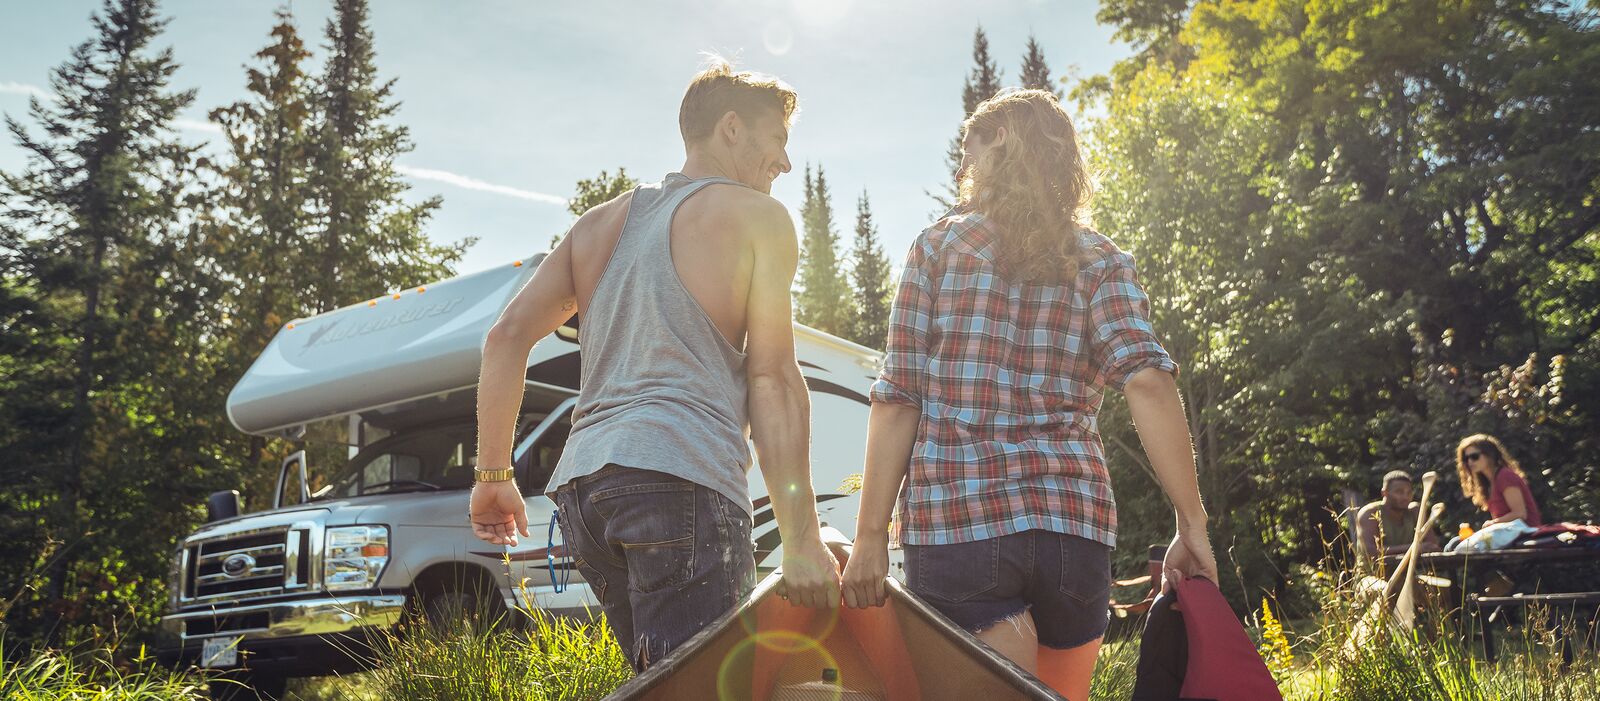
502, 475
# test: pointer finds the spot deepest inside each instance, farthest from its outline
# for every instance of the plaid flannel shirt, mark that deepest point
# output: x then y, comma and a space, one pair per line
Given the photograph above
1009, 379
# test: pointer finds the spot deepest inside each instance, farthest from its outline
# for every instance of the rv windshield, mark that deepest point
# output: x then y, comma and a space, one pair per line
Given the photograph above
427, 460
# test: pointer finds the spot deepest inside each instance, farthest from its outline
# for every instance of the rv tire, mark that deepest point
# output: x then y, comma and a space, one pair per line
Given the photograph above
248, 686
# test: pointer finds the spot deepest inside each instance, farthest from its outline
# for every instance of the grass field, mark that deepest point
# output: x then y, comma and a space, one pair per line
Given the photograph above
563, 659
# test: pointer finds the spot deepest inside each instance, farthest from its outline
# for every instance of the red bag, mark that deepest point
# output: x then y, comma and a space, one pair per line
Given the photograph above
1199, 651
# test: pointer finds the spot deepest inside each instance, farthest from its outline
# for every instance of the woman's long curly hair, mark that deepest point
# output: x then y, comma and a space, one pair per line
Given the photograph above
1475, 487
1034, 186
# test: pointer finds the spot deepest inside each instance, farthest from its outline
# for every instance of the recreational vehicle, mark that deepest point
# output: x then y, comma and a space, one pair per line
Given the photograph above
369, 520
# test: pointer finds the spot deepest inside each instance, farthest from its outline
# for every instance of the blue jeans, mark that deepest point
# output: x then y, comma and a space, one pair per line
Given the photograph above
1065, 580
665, 556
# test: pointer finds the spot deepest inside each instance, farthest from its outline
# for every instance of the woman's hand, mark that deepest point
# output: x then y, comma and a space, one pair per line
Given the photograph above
865, 572
1188, 556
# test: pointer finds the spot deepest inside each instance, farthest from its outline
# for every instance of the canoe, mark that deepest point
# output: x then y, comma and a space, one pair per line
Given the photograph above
769, 649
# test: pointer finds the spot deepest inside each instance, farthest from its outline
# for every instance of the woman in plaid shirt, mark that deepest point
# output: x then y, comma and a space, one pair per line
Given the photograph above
1010, 321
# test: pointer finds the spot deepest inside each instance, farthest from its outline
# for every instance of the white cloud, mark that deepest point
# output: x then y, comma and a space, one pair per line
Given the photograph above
197, 125
466, 183
15, 88
7, 86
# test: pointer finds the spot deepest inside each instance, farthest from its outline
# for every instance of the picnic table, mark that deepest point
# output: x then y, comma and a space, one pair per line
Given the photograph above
1483, 584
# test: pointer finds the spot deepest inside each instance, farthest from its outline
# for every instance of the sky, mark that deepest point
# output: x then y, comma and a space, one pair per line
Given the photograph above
511, 102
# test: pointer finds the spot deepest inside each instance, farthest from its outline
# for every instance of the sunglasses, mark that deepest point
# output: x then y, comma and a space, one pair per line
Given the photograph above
1472, 457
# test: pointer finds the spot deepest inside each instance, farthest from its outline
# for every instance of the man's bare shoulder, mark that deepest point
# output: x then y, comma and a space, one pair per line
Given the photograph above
608, 215
749, 211
1370, 511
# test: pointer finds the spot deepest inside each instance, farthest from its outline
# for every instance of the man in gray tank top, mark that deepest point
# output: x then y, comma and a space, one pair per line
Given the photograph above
682, 288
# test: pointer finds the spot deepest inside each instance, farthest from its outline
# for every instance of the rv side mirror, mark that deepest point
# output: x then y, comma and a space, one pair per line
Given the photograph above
282, 498
221, 505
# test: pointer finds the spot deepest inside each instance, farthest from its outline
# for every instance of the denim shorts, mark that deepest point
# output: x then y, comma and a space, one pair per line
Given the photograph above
665, 556
1063, 579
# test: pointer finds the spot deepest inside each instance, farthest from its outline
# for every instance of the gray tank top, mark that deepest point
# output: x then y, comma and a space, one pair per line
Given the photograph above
661, 388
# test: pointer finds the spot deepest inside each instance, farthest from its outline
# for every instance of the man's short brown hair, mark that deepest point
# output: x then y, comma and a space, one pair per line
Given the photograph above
718, 90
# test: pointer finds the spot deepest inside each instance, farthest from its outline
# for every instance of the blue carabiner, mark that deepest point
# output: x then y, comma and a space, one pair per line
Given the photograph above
550, 556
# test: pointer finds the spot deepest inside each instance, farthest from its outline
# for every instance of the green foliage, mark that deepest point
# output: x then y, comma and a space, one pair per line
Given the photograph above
1356, 224
137, 283
371, 239
869, 278
101, 297
981, 84
1035, 73
823, 300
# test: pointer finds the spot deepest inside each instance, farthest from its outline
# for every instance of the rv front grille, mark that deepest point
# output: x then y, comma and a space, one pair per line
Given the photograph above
240, 567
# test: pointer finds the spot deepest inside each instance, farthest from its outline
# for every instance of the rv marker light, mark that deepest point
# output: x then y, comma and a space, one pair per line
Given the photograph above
421, 290
516, 264
397, 295
372, 303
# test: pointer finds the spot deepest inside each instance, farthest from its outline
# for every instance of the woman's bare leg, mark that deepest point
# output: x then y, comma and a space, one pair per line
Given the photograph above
1069, 671
1016, 638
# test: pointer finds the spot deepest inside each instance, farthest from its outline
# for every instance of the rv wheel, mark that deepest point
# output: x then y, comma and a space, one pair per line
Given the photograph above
248, 686
446, 603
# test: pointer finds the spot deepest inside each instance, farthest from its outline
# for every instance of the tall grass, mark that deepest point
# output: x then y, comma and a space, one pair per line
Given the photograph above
1440, 658
553, 657
49, 675
561, 658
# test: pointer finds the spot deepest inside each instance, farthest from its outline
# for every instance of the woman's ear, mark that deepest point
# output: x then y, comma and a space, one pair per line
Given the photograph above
999, 138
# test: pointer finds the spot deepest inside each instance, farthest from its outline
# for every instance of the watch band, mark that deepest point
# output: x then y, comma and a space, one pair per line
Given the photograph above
501, 475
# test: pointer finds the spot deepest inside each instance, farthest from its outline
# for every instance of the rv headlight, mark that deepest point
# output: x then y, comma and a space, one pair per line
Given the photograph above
354, 556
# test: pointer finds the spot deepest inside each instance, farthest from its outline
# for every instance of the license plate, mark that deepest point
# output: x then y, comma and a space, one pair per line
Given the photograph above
220, 652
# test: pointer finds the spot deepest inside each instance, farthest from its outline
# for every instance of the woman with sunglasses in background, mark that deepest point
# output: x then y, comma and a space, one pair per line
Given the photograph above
1494, 481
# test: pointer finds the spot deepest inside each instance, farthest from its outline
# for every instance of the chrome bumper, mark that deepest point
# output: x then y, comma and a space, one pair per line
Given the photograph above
287, 619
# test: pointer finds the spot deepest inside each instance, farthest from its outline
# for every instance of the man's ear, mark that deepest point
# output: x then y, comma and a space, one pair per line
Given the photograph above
730, 127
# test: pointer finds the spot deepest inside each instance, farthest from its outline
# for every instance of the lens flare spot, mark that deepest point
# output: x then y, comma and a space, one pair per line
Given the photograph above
777, 37
742, 658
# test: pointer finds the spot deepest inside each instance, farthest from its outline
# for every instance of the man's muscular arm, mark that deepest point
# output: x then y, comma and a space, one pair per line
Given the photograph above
780, 407
547, 301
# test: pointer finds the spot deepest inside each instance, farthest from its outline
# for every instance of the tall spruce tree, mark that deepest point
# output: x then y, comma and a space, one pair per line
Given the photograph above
1035, 73
99, 299
371, 239
869, 273
824, 298
266, 221
982, 82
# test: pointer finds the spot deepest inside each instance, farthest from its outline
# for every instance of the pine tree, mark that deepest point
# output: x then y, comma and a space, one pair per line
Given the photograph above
266, 223
1035, 73
267, 190
100, 297
982, 83
824, 298
593, 192
371, 239
870, 274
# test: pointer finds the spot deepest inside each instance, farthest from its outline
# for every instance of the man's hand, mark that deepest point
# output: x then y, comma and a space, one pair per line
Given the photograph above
865, 571
498, 513
810, 574
1188, 556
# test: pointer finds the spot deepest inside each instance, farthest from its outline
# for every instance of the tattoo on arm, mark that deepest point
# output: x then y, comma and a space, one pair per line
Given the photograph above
568, 305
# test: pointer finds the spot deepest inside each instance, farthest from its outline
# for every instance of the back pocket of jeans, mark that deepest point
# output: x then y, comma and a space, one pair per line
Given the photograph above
655, 525
955, 572
1085, 571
